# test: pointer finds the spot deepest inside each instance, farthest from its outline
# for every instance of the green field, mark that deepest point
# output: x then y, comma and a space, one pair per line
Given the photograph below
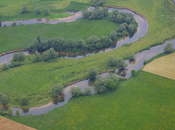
163, 66
144, 101
18, 37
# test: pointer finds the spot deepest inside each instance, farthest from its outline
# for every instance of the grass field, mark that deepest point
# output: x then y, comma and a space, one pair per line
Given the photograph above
144, 101
21, 36
163, 66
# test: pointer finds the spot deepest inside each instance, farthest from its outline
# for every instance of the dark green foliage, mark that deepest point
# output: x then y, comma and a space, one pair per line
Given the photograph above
38, 11
10, 112
24, 100
97, 13
112, 84
88, 91
98, 2
13, 24
18, 56
111, 61
131, 56
56, 90
37, 57
113, 35
168, 48
145, 61
53, 54
132, 28
46, 55
3, 99
2, 113
92, 72
17, 113
133, 72
15, 64
128, 20
5, 67
121, 28
47, 12
120, 63
24, 9
75, 91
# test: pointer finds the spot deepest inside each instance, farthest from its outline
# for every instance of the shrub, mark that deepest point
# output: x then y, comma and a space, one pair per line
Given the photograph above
5, 67
87, 91
47, 12
10, 112
37, 57
18, 56
24, 9
13, 24
112, 84
24, 100
5, 25
99, 2
56, 90
17, 113
38, 11
145, 61
53, 54
100, 86
15, 64
132, 57
75, 91
120, 63
111, 61
168, 48
113, 35
133, 72
3, 99
46, 55
92, 72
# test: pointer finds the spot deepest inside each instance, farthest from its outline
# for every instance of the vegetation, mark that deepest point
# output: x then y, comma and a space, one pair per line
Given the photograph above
168, 48
75, 91
17, 113
56, 90
10, 112
87, 91
133, 72
15, 64
98, 2
92, 72
24, 9
120, 63
5, 67
18, 56
37, 57
3, 99
24, 100
132, 57
38, 11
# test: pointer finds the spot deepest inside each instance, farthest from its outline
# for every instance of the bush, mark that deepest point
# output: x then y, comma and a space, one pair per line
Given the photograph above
3, 99
15, 64
75, 91
113, 35
132, 57
18, 56
17, 113
10, 112
13, 24
168, 48
47, 12
24, 100
145, 61
112, 84
38, 11
100, 86
56, 90
133, 72
37, 57
24, 9
46, 55
92, 72
111, 61
87, 91
5, 67
53, 54
120, 63
99, 2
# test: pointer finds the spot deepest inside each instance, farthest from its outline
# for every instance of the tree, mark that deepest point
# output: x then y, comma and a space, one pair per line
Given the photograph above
46, 55
132, 28
24, 100
17, 113
120, 63
100, 86
133, 72
86, 13
24, 9
53, 54
21, 56
56, 90
111, 61
75, 91
37, 57
121, 28
92, 72
168, 48
87, 91
5, 67
10, 112
131, 57
113, 35
38, 11
13, 24
3, 99
128, 20
15, 57
99, 2
47, 12
112, 84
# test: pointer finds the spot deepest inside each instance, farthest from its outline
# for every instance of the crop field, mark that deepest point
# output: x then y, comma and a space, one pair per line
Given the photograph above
163, 66
144, 101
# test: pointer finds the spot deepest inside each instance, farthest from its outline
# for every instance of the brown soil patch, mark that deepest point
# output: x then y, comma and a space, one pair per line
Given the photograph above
6, 124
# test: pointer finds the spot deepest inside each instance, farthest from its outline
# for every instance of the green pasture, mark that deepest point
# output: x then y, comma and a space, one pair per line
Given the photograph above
17, 37
144, 101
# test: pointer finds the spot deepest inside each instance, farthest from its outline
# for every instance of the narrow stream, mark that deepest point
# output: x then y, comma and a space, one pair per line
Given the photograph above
140, 57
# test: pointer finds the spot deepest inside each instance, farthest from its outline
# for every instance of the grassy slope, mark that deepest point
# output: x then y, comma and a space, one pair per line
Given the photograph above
11, 9
142, 102
22, 36
163, 66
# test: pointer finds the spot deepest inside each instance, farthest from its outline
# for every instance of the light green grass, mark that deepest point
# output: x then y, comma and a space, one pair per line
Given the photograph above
144, 101
21, 36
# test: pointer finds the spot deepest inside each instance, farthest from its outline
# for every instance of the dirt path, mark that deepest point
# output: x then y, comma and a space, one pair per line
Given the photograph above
6, 124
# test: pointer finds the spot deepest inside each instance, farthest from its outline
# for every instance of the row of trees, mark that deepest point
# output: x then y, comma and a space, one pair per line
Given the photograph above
97, 13
60, 44
38, 10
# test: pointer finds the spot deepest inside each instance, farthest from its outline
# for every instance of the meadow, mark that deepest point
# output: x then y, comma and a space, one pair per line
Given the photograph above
163, 66
144, 101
